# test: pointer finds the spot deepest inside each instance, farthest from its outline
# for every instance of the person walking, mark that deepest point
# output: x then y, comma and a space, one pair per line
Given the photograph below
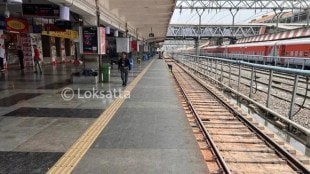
124, 67
1, 59
20, 57
36, 59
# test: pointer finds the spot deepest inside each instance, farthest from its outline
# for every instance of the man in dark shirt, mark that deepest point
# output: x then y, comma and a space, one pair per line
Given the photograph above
21, 57
124, 67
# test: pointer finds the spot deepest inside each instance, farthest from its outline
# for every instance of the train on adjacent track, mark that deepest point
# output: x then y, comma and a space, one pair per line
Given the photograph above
290, 51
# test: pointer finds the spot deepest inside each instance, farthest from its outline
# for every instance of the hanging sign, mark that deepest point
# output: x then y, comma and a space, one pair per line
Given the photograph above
134, 45
102, 41
122, 45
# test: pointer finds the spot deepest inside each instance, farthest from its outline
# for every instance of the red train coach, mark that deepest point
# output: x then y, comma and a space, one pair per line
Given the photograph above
292, 48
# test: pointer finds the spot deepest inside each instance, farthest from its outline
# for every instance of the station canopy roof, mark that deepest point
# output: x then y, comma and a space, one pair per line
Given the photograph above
147, 16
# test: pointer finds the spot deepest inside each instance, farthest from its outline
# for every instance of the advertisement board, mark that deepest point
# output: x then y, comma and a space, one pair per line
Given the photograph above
69, 34
134, 45
17, 25
90, 40
102, 40
2, 47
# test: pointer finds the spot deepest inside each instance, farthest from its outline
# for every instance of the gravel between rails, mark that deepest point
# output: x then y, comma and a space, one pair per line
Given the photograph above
280, 106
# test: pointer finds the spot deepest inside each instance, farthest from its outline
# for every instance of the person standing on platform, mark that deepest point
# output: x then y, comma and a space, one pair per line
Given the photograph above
36, 59
20, 57
1, 59
130, 58
124, 67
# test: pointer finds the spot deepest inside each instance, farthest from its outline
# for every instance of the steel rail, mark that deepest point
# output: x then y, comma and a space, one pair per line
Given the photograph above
203, 129
278, 75
266, 84
278, 149
297, 126
266, 67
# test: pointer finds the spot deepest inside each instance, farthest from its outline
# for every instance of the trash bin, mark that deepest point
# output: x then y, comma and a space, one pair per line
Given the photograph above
106, 71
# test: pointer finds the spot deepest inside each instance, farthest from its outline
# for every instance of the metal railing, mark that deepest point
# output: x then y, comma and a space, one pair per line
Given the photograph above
212, 68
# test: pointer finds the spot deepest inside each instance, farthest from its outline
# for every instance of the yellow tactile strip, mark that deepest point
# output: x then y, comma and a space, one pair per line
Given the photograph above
75, 153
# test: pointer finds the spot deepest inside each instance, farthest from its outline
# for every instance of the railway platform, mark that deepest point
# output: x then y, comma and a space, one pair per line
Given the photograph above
146, 133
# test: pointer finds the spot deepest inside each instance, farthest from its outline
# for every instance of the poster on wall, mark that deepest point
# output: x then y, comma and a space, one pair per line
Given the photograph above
135, 45
2, 50
72, 50
63, 51
25, 43
53, 50
90, 40
102, 40
122, 45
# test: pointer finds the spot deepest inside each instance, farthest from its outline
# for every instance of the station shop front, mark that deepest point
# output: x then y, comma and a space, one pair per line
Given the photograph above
59, 46
12, 36
54, 46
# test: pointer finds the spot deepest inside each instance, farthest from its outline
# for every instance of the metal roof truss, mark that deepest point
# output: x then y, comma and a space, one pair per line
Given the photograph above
242, 4
194, 31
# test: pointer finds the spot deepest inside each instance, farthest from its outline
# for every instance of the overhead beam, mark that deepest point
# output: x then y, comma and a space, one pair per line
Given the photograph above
147, 21
144, 11
139, 5
161, 14
242, 4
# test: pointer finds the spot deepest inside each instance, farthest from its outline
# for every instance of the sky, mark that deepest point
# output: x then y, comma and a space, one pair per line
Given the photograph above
215, 17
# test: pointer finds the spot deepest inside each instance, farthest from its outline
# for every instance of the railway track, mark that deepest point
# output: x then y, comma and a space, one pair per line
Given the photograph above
256, 82
277, 74
275, 81
236, 144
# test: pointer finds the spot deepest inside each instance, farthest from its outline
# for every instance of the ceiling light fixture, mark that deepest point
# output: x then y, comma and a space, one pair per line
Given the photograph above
151, 34
64, 13
115, 33
107, 30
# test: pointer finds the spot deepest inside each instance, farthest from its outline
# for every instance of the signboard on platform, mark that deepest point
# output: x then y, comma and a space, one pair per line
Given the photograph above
70, 34
122, 45
134, 45
90, 40
17, 25
94, 40
102, 40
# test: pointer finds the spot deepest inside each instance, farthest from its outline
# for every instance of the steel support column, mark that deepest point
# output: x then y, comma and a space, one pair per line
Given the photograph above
99, 56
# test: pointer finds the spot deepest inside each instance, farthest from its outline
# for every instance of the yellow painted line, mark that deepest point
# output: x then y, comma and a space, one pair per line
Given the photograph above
75, 153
